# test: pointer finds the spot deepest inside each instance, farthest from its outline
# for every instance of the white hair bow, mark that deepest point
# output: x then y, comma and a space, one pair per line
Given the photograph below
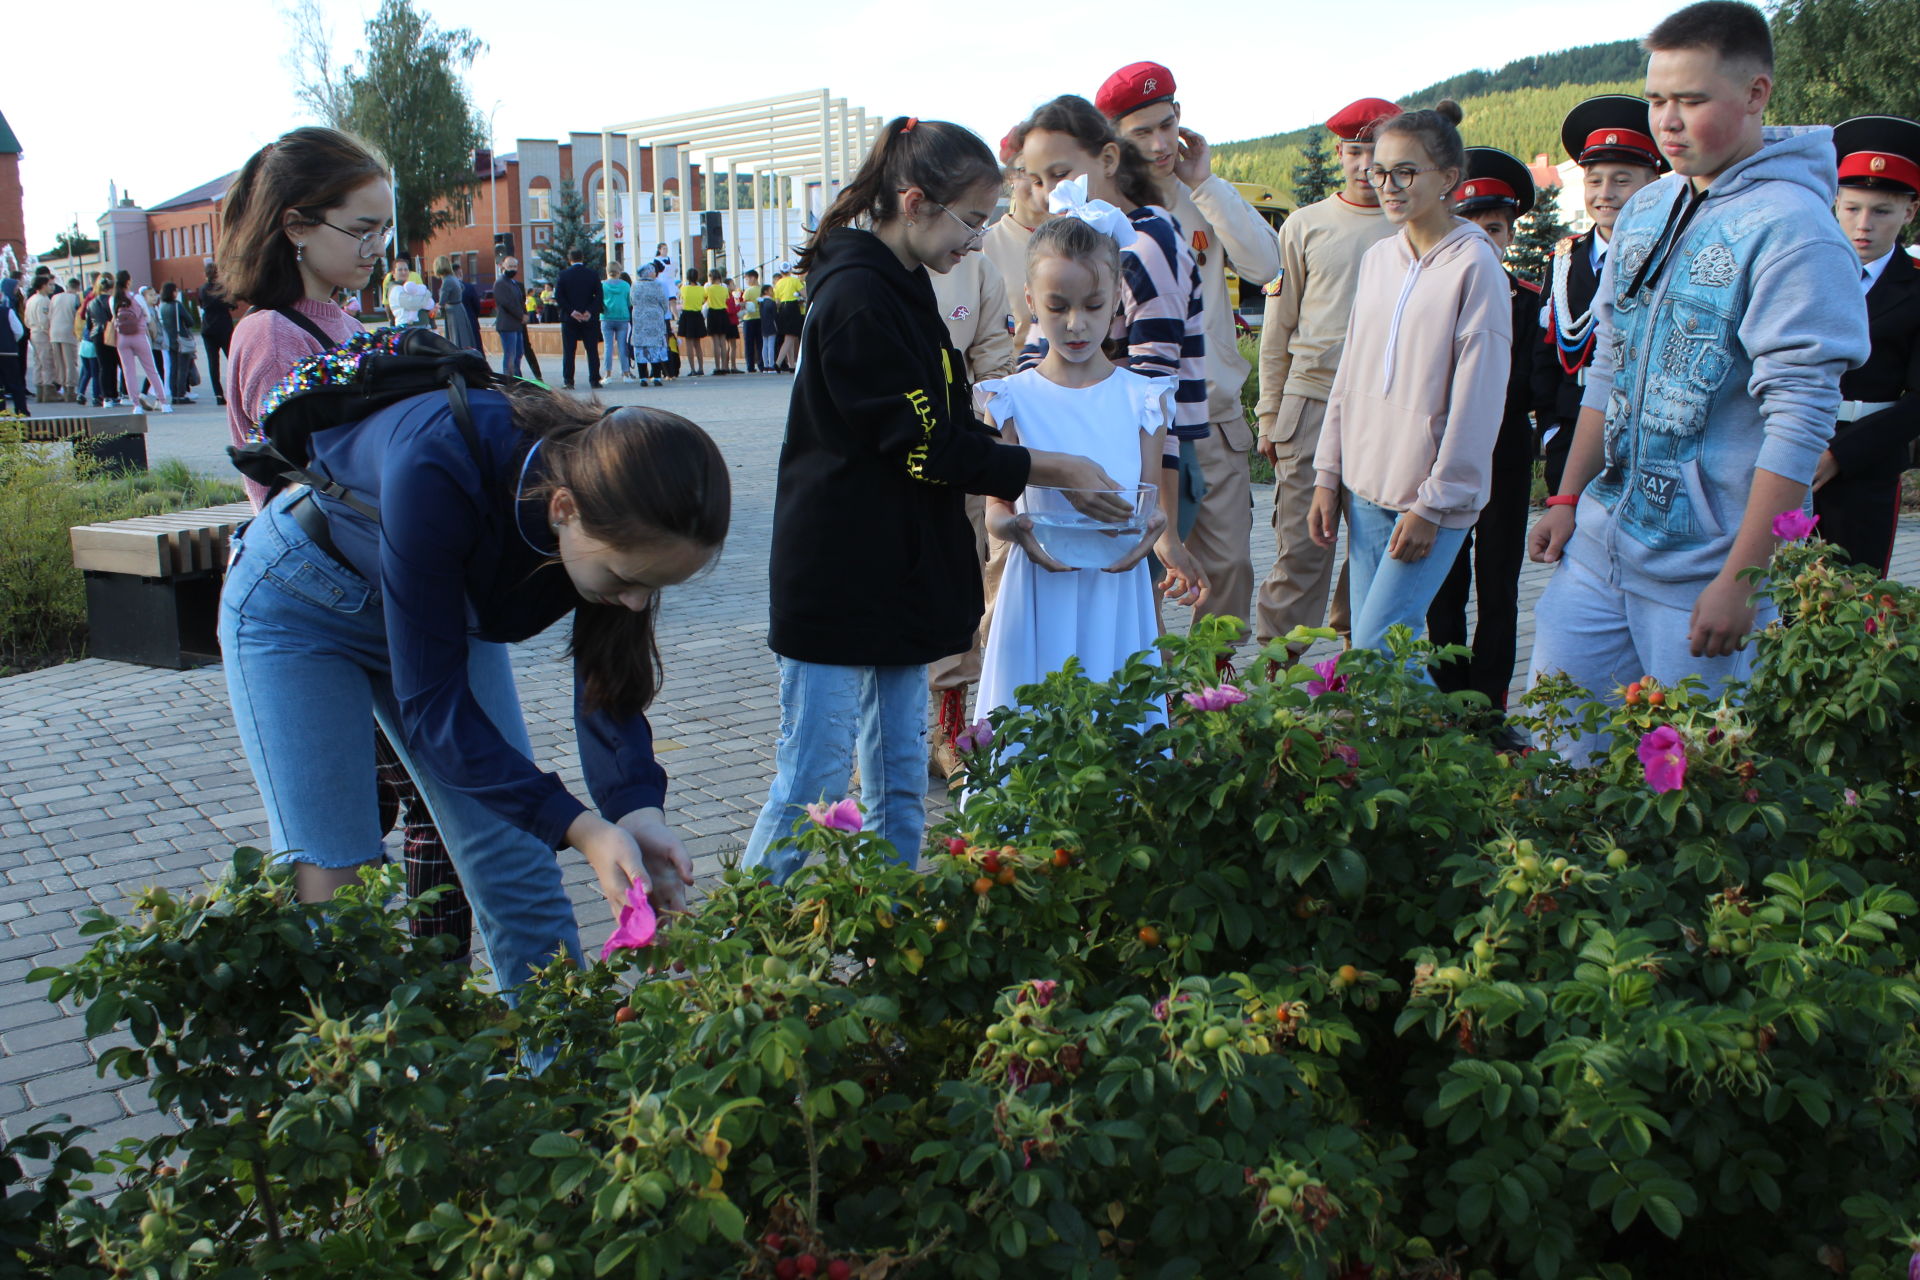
1069, 199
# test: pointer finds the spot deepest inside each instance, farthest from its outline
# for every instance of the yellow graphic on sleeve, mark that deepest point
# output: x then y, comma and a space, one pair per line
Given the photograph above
917, 456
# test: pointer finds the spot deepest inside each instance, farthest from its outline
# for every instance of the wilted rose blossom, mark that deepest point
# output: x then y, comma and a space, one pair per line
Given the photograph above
1043, 990
1664, 756
1794, 525
841, 815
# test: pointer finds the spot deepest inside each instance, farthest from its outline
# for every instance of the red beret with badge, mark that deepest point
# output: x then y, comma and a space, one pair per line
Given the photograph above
1137, 85
1356, 121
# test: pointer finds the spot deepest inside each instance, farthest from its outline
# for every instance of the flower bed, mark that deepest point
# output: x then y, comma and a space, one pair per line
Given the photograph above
1311, 983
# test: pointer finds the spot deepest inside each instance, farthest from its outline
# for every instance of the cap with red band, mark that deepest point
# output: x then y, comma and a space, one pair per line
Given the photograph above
1356, 121
1879, 151
1137, 85
1008, 151
1612, 128
1495, 180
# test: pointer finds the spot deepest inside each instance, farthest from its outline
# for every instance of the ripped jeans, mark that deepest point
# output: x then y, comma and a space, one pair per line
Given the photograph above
826, 713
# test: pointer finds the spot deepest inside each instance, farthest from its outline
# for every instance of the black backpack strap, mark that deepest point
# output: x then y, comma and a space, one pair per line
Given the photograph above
306, 325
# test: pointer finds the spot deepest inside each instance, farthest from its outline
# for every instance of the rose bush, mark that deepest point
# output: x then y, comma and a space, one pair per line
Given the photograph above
1312, 982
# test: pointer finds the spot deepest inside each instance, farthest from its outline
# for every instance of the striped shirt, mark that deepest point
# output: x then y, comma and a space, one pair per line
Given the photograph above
1165, 315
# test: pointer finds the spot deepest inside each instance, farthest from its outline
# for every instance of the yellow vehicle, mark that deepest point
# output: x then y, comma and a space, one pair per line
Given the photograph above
1274, 208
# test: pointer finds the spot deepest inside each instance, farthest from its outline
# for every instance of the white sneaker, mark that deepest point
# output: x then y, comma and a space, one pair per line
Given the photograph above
165, 407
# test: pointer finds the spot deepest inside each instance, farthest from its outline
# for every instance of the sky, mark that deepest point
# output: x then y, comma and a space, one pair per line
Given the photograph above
191, 99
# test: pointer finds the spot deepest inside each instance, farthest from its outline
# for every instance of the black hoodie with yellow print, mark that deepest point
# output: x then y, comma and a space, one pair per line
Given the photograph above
874, 562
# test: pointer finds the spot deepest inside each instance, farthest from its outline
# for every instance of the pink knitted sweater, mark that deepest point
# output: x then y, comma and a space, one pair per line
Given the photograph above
264, 347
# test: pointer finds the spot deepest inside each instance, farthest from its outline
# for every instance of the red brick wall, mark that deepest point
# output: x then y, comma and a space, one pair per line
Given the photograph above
181, 241
477, 239
13, 216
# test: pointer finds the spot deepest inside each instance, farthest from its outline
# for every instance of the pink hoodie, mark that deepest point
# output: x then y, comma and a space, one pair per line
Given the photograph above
1422, 384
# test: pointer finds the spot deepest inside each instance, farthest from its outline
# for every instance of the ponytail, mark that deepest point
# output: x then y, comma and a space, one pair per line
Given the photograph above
637, 476
943, 160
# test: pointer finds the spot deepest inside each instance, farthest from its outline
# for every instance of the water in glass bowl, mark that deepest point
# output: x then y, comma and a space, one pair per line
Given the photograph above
1080, 541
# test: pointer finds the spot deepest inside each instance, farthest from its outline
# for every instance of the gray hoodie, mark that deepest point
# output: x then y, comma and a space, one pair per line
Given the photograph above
1730, 361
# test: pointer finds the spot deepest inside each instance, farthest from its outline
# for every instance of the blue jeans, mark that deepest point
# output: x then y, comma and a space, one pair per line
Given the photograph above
513, 348
826, 713
305, 646
1385, 592
1605, 637
619, 345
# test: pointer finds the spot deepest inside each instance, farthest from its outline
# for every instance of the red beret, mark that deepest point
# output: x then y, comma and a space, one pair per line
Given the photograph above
1355, 123
1132, 87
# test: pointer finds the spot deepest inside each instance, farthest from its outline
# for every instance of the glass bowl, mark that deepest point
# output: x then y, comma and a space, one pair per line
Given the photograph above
1081, 541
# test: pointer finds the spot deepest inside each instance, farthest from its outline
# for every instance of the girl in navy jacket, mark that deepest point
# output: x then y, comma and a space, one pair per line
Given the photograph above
559, 507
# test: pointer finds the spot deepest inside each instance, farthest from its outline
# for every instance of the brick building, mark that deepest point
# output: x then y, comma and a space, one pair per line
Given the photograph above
183, 231
526, 182
13, 215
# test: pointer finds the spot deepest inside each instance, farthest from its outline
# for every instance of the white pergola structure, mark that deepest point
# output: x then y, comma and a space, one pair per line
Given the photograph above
781, 144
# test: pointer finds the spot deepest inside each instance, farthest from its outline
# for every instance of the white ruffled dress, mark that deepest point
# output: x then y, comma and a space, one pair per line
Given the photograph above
1040, 619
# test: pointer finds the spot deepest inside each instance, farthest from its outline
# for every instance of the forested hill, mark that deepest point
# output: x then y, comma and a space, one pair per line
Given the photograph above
1590, 64
1517, 108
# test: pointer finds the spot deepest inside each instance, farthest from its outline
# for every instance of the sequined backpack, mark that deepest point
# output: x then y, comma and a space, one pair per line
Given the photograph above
345, 383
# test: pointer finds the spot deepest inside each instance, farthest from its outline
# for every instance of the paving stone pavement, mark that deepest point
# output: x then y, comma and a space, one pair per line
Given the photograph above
115, 777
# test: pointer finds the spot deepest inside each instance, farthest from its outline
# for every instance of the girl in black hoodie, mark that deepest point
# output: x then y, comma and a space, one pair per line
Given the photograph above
874, 573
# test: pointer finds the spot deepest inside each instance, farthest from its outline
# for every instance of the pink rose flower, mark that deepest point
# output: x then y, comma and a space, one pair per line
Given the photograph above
636, 925
1329, 680
977, 736
841, 815
1794, 525
1664, 756
1215, 699
1852, 798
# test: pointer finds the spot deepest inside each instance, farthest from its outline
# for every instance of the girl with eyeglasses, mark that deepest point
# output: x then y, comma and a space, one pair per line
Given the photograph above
1407, 447
309, 213
874, 571
312, 212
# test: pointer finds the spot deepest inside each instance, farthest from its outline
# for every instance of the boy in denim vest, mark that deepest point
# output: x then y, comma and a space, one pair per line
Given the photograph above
1727, 311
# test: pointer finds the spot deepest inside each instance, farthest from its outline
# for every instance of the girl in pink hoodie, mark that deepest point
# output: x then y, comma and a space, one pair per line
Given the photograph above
1416, 405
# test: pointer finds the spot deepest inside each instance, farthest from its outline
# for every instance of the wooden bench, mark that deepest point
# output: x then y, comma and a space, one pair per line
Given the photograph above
153, 584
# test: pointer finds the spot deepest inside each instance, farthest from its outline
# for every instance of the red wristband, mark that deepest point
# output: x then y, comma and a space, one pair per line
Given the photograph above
1563, 500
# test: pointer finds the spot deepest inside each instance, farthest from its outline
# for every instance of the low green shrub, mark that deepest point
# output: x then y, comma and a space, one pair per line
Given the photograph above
45, 491
1311, 983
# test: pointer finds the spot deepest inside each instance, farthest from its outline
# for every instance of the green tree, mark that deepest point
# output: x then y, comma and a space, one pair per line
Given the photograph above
571, 229
1535, 235
1839, 58
406, 96
1317, 176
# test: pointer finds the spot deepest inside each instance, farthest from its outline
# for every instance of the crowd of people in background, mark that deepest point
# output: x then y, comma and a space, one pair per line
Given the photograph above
107, 342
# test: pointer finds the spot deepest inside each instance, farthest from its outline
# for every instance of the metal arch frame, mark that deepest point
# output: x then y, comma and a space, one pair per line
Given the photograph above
796, 137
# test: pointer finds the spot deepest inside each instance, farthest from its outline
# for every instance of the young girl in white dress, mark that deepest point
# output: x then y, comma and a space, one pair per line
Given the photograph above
1076, 400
